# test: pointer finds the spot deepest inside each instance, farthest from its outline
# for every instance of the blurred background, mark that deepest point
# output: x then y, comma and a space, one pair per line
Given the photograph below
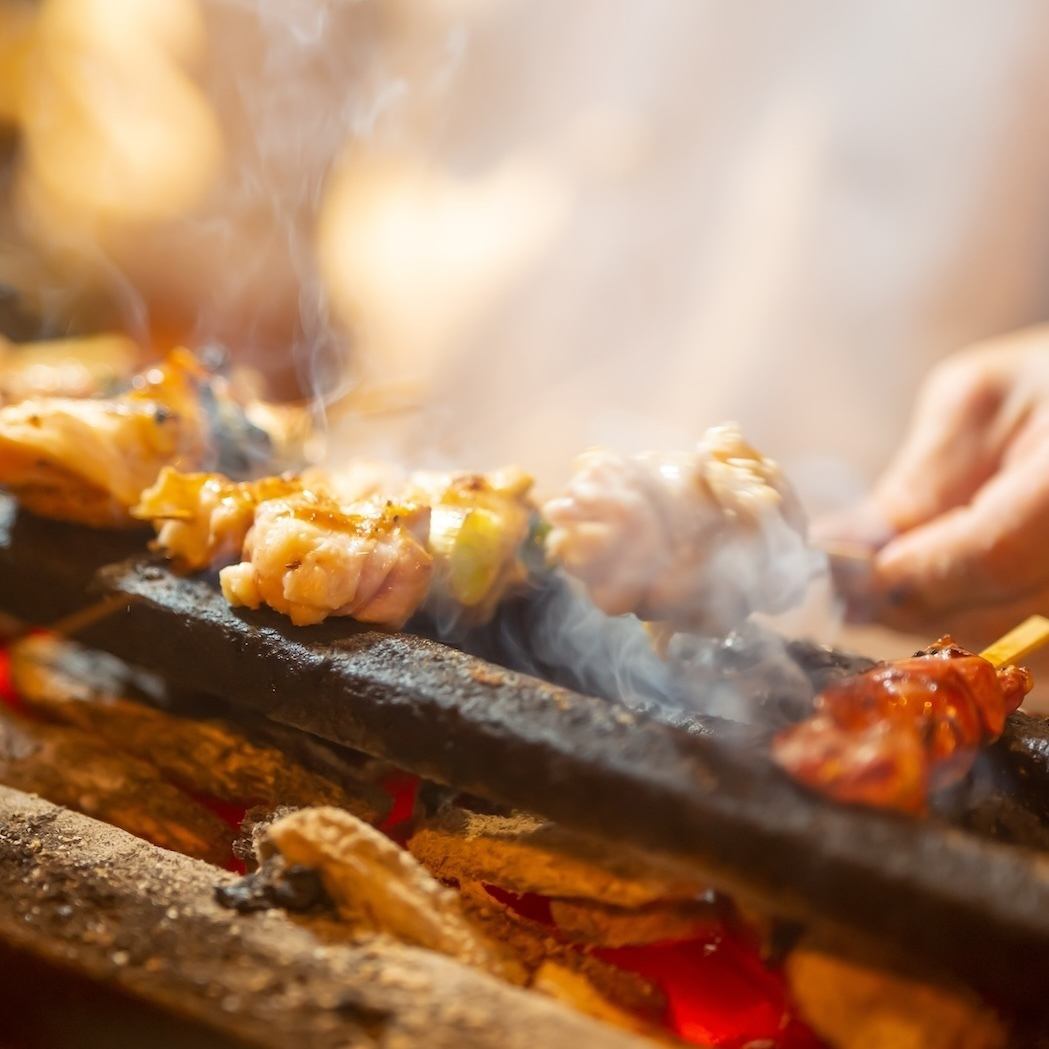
507, 230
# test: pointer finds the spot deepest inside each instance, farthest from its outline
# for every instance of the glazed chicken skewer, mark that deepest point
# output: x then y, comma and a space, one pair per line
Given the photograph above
890, 737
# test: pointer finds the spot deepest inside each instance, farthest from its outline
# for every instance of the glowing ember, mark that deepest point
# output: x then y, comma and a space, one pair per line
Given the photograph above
8, 695
719, 991
403, 789
529, 905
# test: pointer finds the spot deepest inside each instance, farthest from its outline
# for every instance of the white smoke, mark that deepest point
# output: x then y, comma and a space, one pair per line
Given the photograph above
529, 226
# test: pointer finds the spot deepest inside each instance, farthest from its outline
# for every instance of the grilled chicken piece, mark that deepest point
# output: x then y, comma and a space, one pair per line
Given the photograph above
310, 558
478, 527
699, 539
84, 367
367, 545
479, 524
89, 460
202, 519
888, 737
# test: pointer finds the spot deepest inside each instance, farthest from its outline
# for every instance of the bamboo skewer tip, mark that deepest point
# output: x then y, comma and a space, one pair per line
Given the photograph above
1031, 634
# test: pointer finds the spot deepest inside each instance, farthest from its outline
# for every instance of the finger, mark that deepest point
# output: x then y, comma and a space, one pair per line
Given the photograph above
952, 448
992, 550
862, 525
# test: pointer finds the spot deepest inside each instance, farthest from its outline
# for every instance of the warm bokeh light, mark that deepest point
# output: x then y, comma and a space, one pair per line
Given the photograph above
114, 129
411, 253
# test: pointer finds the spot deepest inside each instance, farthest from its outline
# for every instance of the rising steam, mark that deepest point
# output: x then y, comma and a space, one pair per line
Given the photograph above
488, 217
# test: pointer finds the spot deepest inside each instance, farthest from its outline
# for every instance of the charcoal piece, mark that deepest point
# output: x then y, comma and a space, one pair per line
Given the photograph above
1024, 749
824, 665
123, 913
533, 945
71, 767
855, 1007
525, 854
56, 679
295, 888
252, 830
1004, 796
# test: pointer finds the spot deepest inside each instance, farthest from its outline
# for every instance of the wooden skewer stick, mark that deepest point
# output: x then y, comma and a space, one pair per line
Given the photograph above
1032, 633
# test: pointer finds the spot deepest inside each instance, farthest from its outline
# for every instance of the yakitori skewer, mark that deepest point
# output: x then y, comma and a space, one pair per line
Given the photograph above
1021, 641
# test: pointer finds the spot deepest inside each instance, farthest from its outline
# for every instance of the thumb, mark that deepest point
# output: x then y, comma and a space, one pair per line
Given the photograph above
991, 550
952, 447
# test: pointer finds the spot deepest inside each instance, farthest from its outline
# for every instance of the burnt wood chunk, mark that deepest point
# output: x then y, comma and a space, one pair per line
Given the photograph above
203, 755
701, 795
522, 853
71, 767
116, 909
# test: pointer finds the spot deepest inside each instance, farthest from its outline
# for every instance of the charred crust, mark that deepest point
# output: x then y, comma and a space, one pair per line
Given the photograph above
297, 889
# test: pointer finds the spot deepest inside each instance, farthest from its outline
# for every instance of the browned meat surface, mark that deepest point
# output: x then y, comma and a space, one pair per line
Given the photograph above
310, 558
699, 539
202, 519
888, 737
88, 460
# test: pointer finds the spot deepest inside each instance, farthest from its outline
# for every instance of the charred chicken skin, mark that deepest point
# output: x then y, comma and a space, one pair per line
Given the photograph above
891, 736
310, 558
88, 460
699, 539
202, 519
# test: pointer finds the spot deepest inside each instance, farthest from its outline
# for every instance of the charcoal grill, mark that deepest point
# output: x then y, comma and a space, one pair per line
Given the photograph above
700, 794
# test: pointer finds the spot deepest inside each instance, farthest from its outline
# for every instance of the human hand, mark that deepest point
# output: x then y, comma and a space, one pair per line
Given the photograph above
960, 520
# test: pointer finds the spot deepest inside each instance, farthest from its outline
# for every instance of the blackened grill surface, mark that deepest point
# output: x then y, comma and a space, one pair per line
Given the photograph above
970, 907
